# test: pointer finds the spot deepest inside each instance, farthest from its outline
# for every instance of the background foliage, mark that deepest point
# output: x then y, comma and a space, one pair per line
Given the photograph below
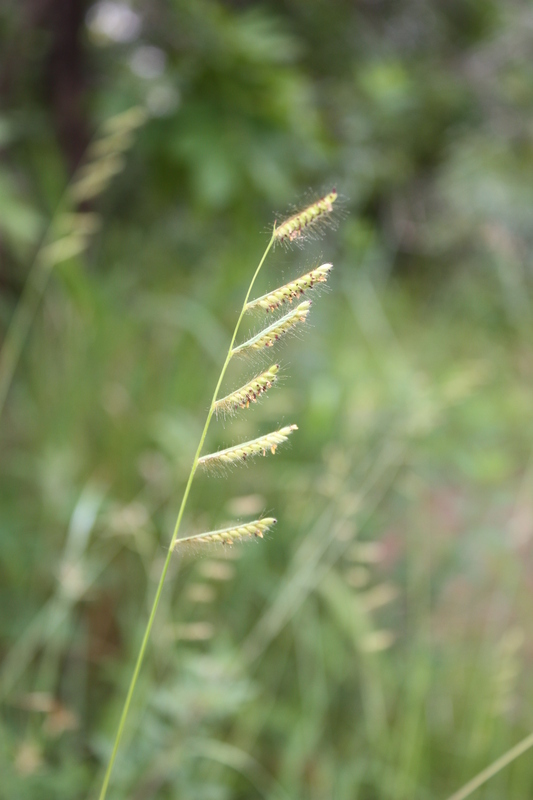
379, 643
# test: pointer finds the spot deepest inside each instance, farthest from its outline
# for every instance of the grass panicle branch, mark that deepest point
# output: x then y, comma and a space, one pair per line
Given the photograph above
305, 222
93, 177
291, 291
269, 336
117, 133
105, 155
68, 233
240, 453
249, 393
166, 565
255, 447
238, 533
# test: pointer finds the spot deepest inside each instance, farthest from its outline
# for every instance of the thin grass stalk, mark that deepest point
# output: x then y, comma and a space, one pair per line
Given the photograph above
26, 308
23, 316
148, 629
493, 769
122, 125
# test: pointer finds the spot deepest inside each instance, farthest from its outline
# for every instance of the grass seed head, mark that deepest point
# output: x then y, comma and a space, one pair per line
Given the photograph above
305, 222
291, 291
269, 336
238, 533
249, 393
241, 452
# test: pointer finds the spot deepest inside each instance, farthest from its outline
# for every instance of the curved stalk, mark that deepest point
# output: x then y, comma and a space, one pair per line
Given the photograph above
100, 162
146, 636
22, 320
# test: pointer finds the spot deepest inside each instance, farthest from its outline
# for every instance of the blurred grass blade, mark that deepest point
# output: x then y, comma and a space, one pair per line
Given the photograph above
492, 770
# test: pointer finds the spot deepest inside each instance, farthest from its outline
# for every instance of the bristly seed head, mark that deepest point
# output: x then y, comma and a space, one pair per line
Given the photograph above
269, 336
255, 447
293, 290
230, 535
304, 221
249, 393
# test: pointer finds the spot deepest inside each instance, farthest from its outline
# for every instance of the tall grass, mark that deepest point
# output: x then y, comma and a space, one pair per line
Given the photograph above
296, 227
68, 233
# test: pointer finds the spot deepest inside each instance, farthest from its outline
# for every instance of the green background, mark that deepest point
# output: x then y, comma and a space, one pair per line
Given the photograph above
378, 643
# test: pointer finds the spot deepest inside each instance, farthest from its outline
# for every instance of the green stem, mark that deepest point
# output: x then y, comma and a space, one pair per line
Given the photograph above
21, 322
37, 280
493, 768
140, 657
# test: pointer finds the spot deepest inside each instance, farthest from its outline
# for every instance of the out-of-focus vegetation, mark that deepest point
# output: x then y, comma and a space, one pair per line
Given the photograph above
378, 644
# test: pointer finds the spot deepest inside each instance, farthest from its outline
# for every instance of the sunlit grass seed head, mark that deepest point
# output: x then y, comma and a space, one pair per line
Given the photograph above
269, 336
305, 222
249, 393
291, 291
242, 452
238, 533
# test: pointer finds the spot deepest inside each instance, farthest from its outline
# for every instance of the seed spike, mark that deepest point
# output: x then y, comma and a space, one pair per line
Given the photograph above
238, 533
269, 336
240, 452
291, 291
302, 223
249, 393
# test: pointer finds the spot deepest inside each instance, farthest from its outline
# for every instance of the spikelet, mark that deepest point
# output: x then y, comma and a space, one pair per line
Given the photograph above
83, 222
104, 156
292, 290
255, 447
128, 120
94, 177
269, 336
241, 398
304, 221
230, 535
73, 230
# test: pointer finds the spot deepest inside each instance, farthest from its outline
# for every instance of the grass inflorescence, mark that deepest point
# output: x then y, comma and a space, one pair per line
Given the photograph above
273, 333
291, 291
292, 229
69, 232
255, 447
307, 222
237, 533
249, 393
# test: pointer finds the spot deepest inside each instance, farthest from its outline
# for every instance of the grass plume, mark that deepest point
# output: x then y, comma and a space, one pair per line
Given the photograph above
238, 453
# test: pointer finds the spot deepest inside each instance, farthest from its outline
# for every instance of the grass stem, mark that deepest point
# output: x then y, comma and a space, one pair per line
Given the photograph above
493, 768
148, 629
21, 322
